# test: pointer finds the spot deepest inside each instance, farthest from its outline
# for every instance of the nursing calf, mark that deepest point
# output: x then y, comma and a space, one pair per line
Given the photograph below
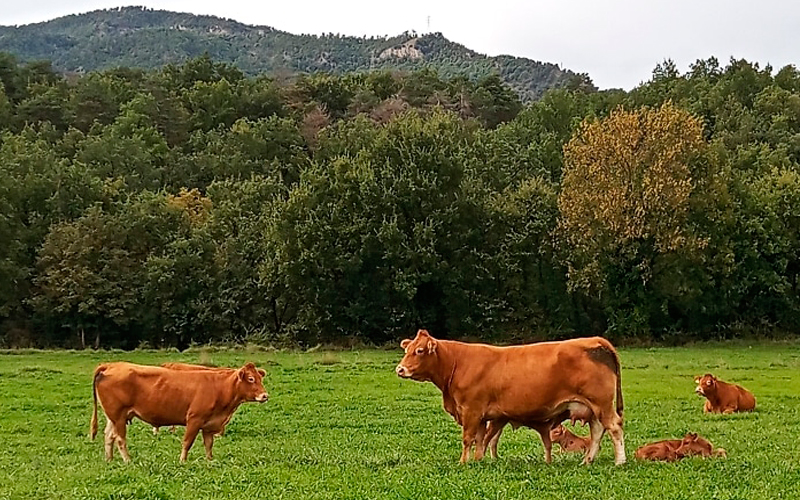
535, 385
202, 400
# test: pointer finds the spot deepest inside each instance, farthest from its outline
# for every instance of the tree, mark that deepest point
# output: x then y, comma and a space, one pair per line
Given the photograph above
624, 202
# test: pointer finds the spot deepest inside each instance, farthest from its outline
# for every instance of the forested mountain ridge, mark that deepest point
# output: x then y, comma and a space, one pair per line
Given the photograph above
145, 38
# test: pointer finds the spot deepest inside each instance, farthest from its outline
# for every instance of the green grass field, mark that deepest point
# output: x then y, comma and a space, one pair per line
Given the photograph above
342, 425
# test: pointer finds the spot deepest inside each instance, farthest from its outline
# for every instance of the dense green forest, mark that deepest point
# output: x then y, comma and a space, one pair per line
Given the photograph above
138, 37
193, 204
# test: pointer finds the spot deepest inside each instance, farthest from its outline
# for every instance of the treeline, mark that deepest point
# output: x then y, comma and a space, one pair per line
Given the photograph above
193, 204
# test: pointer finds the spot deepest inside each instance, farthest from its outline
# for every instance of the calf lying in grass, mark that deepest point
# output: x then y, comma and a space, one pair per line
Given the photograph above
671, 450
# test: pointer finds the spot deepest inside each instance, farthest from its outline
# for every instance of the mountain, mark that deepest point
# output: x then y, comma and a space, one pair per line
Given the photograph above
145, 38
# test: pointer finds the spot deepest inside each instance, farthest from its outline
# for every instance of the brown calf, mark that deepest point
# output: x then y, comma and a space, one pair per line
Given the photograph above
569, 441
671, 450
722, 397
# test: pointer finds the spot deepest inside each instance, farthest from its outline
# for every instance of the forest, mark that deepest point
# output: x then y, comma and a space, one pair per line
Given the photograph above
139, 37
194, 204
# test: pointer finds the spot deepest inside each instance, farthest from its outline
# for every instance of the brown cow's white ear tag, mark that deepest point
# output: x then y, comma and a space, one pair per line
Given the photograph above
431, 347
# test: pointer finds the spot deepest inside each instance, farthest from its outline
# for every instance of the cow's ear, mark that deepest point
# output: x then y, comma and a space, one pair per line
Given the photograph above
242, 374
262, 372
431, 347
404, 344
697, 380
693, 436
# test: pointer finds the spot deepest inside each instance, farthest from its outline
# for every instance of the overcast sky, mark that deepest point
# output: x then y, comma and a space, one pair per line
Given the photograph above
617, 42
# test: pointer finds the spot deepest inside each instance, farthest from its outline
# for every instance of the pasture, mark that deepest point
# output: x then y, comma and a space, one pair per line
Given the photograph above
343, 425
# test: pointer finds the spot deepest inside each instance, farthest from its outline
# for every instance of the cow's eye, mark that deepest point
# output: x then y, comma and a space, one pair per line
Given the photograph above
251, 379
419, 351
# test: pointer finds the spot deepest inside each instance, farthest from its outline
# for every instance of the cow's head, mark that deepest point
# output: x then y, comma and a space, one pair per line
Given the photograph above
420, 358
558, 433
249, 385
707, 384
692, 444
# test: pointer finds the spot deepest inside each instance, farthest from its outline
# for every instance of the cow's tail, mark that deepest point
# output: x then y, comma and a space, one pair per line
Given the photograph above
98, 372
617, 371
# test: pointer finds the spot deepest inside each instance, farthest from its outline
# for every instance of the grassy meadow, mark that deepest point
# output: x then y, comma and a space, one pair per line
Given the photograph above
342, 425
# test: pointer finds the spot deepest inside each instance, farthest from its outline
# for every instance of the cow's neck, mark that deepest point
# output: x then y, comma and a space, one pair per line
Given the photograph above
447, 367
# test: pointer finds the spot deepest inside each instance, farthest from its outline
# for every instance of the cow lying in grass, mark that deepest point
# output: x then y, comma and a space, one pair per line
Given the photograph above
671, 450
722, 397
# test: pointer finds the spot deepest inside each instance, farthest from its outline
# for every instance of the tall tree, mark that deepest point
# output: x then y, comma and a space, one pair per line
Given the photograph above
625, 201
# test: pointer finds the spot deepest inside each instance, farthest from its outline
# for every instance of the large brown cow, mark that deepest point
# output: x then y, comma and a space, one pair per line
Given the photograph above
534, 385
722, 397
174, 365
202, 400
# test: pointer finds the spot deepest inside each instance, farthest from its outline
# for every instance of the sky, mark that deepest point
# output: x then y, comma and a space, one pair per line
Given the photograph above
617, 42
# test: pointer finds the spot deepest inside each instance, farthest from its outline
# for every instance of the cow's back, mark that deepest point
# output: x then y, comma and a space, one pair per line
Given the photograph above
156, 395
520, 381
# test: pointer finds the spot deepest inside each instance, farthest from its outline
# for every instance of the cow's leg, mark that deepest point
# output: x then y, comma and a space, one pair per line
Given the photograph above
120, 431
613, 424
596, 430
493, 431
109, 438
480, 441
192, 428
471, 426
544, 432
208, 442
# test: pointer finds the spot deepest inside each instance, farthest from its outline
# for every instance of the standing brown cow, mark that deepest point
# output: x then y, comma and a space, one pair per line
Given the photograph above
202, 400
535, 384
188, 366
722, 397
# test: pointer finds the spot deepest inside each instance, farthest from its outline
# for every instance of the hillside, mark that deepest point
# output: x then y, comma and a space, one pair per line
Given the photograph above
145, 38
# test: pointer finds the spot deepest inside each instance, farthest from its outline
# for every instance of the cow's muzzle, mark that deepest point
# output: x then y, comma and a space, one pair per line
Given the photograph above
402, 371
262, 398
699, 391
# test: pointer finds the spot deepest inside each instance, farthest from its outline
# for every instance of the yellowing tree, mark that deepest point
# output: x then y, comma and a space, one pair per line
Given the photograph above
625, 196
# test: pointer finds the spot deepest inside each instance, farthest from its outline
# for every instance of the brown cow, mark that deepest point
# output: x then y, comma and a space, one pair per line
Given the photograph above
670, 450
535, 384
188, 366
202, 400
722, 397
